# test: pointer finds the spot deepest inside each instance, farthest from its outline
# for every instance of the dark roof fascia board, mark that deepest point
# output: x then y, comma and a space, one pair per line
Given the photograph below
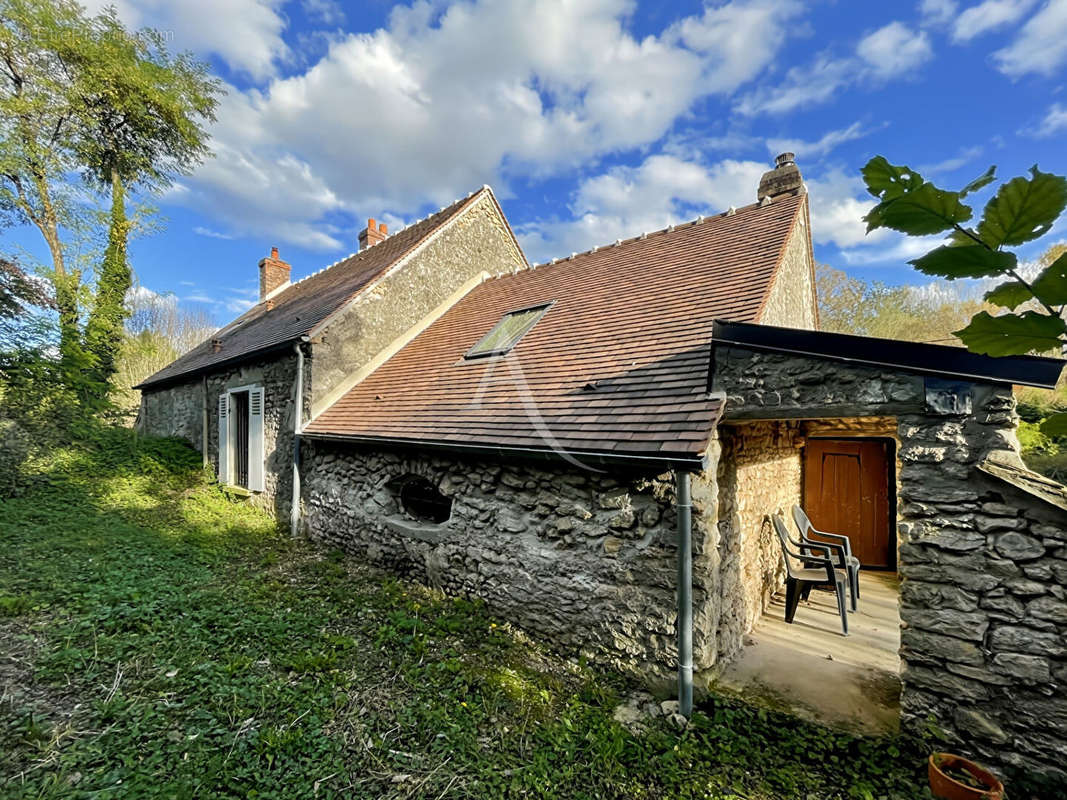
685, 463
216, 366
927, 359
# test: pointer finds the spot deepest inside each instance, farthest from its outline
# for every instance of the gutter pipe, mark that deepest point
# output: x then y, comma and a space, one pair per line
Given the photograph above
298, 424
684, 507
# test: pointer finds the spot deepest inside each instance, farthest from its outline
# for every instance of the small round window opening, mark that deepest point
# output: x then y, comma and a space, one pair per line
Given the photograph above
421, 499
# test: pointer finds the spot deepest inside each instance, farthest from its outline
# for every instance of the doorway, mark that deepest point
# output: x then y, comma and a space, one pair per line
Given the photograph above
240, 448
847, 491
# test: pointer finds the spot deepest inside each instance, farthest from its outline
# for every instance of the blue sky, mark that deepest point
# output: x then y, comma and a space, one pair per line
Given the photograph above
591, 120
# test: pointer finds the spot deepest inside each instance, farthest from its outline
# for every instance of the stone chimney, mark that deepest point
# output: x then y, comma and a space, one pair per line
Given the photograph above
372, 234
784, 179
273, 274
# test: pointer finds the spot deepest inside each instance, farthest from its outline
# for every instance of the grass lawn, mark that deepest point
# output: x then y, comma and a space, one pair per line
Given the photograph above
160, 640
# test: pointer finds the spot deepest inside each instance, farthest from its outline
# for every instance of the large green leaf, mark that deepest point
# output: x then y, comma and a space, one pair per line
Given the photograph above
1013, 334
1055, 425
1009, 295
1023, 209
1051, 285
966, 261
981, 181
919, 212
886, 181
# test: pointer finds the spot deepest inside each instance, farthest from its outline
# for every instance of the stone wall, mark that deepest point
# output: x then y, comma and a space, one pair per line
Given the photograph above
176, 410
476, 242
586, 559
791, 301
986, 611
982, 562
759, 474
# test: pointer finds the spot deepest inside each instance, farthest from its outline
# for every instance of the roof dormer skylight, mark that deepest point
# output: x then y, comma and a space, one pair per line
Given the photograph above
506, 333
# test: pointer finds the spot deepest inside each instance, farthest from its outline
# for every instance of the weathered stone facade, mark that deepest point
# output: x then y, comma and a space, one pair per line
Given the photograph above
759, 474
791, 300
986, 611
178, 410
584, 558
984, 645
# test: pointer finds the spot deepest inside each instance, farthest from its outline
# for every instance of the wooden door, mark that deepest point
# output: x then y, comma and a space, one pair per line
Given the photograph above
846, 490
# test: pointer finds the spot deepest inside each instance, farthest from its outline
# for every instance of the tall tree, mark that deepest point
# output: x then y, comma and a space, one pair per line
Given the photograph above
1022, 210
38, 124
142, 113
83, 94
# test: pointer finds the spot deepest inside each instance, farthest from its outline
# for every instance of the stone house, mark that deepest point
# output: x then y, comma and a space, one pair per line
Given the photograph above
593, 446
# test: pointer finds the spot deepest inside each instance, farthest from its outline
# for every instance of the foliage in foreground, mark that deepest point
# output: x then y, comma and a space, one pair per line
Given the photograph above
1023, 209
159, 640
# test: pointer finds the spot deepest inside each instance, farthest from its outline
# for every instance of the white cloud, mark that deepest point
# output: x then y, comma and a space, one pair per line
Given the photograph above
1041, 45
441, 101
964, 157
200, 230
839, 202
987, 16
894, 50
889, 52
232, 300
246, 34
1055, 121
324, 12
626, 201
141, 296
802, 86
825, 144
898, 249
664, 190
937, 12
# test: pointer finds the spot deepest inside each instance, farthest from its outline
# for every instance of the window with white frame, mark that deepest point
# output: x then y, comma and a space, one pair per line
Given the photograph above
241, 438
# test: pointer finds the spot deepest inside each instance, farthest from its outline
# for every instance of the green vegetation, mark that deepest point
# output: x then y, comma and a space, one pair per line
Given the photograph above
1022, 210
869, 308
160, 640
85, 103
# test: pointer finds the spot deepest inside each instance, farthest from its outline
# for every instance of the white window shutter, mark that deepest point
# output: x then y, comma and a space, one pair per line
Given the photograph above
255, 439
224, 438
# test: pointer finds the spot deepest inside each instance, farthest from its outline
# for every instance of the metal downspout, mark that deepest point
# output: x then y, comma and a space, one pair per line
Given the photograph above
684, 507
204, 431
298, 420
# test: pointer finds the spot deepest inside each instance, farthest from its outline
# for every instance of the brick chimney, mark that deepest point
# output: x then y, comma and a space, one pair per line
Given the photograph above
372, 234
784, 179
273, 273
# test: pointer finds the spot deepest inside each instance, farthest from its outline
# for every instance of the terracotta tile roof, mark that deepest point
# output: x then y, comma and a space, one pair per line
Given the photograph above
617, 366
306, 303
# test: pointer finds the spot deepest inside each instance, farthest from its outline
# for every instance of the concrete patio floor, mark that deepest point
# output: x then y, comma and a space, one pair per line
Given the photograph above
810, 670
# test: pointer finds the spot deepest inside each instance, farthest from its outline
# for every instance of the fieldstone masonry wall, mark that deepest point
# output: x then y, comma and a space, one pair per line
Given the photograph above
177, 410
585, 559
986, 613
759, 473
983, 563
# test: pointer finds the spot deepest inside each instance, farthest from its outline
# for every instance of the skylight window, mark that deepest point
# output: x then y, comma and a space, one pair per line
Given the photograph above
506, 334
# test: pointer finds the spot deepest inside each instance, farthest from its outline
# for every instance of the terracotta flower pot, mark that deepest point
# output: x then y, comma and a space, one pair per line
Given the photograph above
944, 786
